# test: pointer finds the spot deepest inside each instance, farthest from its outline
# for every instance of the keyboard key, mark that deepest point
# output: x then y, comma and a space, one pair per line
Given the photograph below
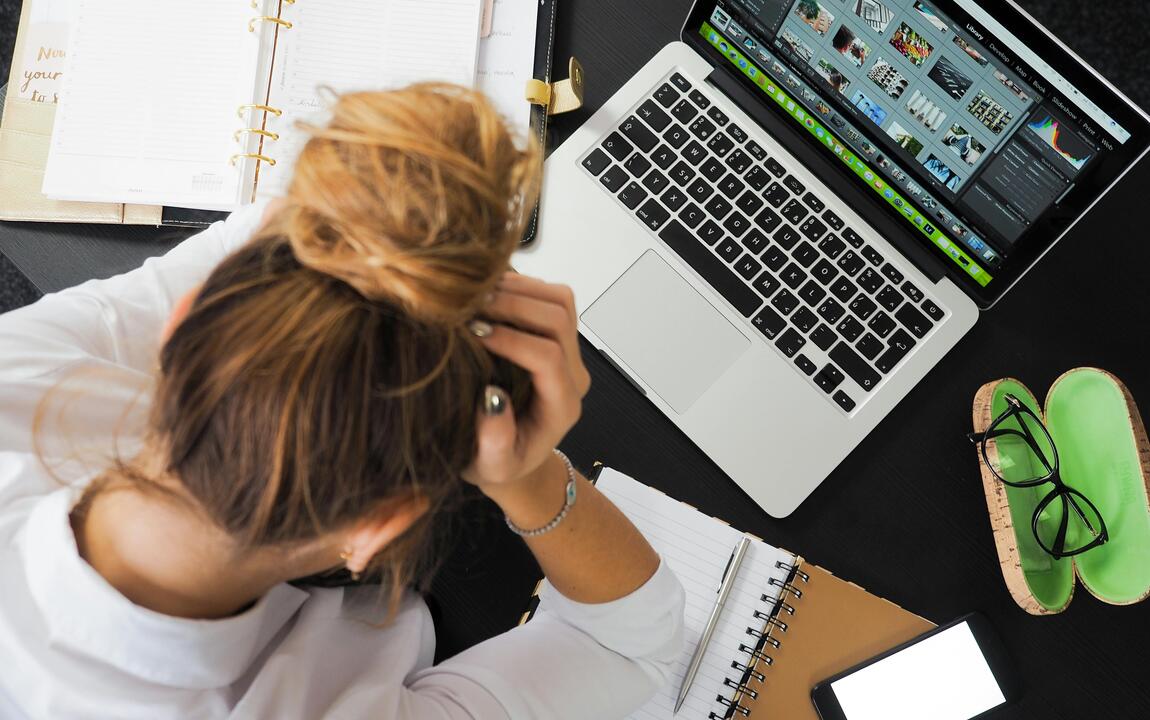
757, 178
870, 281
855, 367
769, 323
680, 82
617, 146
700, 190
881, 324
791, 342
870, 346
666, 95
793, 276
776, 167
834, 221
785, 301
756, 151
654, 115
794, 211
804, 364
718, 116
756, 242
872, 256
710, 233
914, 321
694, 153
812, 293
863, 307
632, 195
748, 267
813, 228
737, 133
850, 328
728, 249
831, 311
637, 165
653, 215
682, 173
824, 272
749, 202
843, 290
702, 128
664, 156
814, 203
891, 273
900, 344
824, 337
889, 298
768, 220
851, 263
844, 401
692, 215
776, 195
718, 207
656, 181
739, 161
766, 284
794, 185
737, 224
720, 144
684, 112
934, 311
614, 179
805, 320
638, 133
711, 268
852, 237
674, 198
806, 254
596, 162
699, 99
787, 236
713, 170
912, 292
829, 378
832, 247
775, 257
731, 186
676, 136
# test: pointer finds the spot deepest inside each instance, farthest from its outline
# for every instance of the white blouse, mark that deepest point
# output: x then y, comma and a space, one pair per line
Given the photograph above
72, 647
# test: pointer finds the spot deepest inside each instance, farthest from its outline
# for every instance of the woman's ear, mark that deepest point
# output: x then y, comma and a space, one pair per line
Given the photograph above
375, 532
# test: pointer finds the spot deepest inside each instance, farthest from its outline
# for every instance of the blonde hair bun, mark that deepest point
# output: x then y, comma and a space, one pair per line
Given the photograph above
416, 197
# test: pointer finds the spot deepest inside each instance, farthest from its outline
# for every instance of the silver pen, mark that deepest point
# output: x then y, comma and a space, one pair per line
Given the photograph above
724, 590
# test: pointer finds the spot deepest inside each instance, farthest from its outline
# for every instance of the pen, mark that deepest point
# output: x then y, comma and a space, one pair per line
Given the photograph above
733, 564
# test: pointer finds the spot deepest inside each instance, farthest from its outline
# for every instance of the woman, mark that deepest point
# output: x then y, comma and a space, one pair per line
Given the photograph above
315, 402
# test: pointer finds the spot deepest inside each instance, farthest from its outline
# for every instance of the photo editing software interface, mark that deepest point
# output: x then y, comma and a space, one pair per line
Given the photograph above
971, 140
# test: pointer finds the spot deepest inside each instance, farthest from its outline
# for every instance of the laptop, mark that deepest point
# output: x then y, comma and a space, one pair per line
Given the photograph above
781, 223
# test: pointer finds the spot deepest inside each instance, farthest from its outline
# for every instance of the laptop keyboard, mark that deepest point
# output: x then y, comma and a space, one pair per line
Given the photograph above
834, 306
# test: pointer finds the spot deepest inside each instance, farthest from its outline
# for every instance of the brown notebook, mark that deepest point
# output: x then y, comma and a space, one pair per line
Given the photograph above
786, 625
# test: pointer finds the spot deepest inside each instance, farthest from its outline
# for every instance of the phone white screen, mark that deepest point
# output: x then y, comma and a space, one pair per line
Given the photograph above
945, 677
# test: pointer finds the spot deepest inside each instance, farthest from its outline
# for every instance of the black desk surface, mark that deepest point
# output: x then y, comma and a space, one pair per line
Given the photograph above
904, 515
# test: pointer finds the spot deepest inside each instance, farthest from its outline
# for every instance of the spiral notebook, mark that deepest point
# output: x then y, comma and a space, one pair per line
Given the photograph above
787, 624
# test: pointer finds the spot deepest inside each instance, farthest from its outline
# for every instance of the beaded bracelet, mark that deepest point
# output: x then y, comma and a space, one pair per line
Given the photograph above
568, 503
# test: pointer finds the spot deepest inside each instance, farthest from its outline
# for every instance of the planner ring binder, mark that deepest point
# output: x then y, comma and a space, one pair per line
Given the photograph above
256, 3
253, 156
255, 131
268, 18
262, 108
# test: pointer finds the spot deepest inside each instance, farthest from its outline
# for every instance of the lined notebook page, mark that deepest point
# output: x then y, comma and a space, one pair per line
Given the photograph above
350, 45
507, 58
697, 547
148, 108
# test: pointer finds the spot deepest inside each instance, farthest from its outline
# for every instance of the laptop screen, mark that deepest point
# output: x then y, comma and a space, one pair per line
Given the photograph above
986, 149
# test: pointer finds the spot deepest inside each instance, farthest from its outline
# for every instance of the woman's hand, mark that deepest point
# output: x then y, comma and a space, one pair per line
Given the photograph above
534, 326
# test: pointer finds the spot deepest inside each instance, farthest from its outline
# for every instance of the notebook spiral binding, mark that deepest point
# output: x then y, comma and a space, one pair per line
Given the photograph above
243, 133
764, 637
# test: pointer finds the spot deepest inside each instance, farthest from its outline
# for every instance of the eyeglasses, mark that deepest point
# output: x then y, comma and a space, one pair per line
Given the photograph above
1018, 450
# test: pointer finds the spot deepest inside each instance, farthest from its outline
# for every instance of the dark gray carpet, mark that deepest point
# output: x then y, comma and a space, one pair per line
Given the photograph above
1111, 36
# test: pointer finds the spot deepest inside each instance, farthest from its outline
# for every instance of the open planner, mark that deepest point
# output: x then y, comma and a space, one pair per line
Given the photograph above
196, 105
786, 625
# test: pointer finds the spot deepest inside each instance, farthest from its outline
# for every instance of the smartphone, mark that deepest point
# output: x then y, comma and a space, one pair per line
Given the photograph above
959, 671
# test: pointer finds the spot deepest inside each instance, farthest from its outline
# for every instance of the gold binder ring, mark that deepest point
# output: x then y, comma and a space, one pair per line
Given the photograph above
254, 156
265, 108
255, 131
256, 3
267, 18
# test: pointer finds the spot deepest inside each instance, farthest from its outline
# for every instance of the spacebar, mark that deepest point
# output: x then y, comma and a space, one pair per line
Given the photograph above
713, 270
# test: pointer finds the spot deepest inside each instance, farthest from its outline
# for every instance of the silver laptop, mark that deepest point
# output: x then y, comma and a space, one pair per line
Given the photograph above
785, 220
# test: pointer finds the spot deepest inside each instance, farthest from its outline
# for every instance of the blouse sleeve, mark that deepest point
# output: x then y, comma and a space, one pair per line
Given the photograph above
572, 660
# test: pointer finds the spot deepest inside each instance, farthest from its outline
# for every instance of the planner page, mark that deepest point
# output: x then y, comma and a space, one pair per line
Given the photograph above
351, 45
697, 548
507, 58
148, 110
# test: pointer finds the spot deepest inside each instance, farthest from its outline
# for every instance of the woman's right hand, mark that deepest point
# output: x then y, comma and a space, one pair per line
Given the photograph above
535, 326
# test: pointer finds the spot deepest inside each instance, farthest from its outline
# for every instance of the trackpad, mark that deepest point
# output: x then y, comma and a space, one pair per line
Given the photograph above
665, 331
